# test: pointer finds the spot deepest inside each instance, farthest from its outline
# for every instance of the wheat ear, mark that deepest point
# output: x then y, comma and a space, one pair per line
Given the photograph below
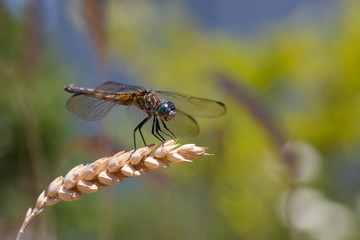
109, 171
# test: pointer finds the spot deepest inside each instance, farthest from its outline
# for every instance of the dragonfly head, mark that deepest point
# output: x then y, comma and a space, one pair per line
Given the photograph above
167, 111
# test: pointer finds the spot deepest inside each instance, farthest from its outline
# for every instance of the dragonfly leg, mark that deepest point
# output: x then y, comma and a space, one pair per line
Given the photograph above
168, 129
153, 133
142, 137
159, 129
138, 127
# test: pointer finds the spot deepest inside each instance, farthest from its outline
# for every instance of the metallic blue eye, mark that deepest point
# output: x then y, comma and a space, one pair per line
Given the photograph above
167, 107
167, 110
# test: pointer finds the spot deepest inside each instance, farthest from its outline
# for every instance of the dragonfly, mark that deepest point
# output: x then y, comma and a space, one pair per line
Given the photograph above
175, 111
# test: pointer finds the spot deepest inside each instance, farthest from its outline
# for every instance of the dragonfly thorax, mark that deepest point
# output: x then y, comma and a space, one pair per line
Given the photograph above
167, 111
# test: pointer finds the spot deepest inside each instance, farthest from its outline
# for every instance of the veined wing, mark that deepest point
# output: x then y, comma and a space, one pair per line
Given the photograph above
94, 108
88, 108
119, 87
182, 125
198, 107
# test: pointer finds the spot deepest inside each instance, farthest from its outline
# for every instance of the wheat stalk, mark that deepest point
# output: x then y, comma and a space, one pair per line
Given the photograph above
109, 171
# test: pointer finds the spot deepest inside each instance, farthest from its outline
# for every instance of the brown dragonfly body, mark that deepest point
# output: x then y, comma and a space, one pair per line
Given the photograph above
94, 103
146, 100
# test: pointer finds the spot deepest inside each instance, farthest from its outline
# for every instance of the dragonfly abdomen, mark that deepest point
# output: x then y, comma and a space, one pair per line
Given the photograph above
118, 98
72, 89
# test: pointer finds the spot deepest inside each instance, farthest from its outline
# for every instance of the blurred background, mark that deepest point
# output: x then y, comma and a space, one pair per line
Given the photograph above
286, 163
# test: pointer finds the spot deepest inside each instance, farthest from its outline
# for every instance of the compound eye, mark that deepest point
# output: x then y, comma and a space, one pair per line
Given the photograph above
167, 110
171, 106
164, 108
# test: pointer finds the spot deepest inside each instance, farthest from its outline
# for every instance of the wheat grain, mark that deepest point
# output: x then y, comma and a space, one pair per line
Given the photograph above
109, 171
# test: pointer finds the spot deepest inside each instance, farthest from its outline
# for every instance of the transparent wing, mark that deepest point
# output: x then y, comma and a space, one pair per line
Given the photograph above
182, 125
119, 87
88, 108
198, 107
136, 115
